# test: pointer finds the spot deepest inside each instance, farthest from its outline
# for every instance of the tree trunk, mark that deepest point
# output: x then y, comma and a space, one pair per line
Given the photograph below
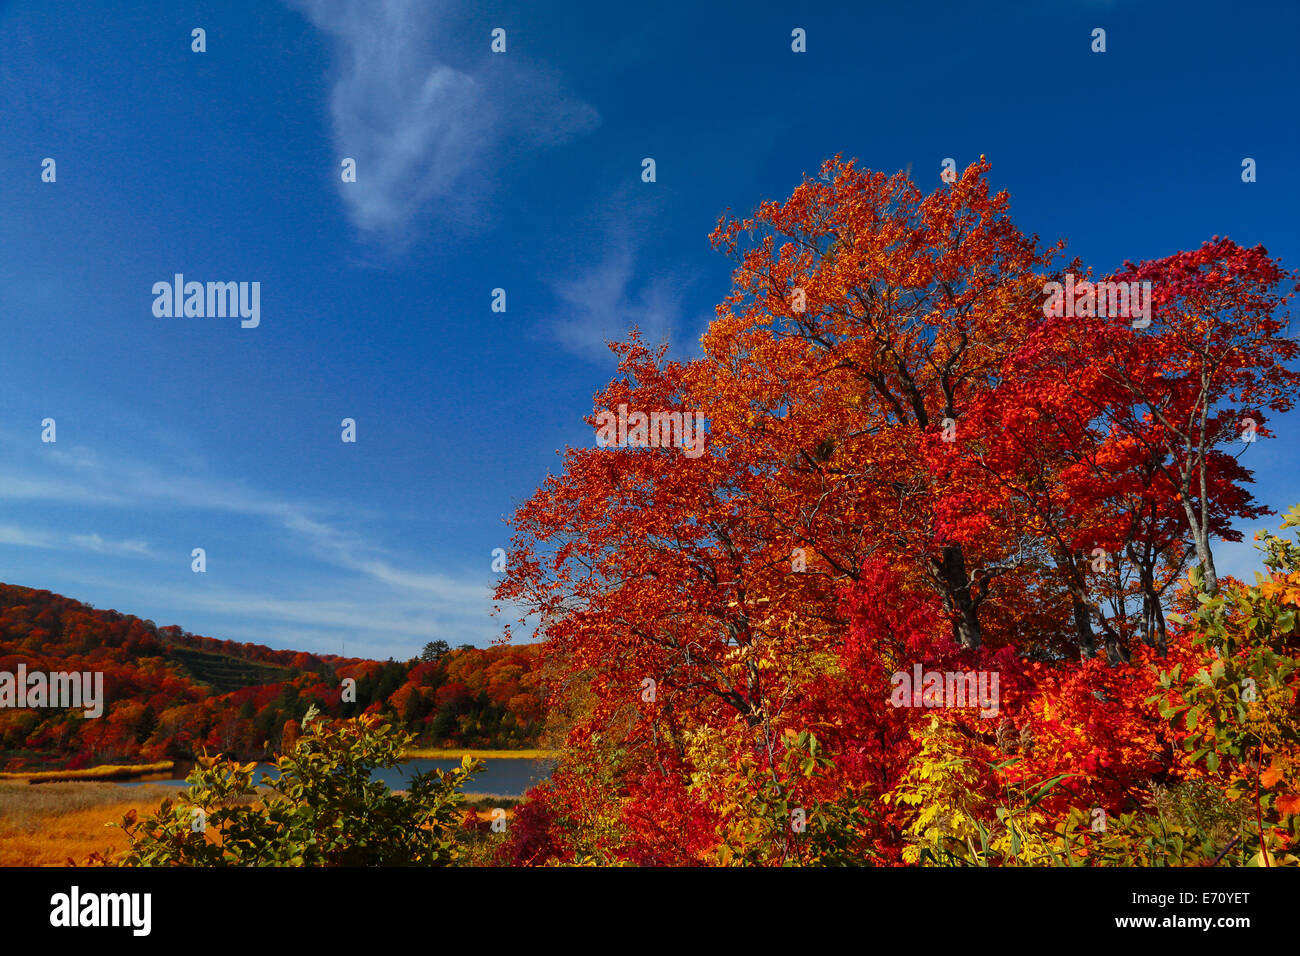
1083, 623
1206, 557
1116, 651
954, 582
1153, 618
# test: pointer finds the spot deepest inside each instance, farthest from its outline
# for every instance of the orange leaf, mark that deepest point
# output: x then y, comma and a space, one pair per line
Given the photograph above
1289, 805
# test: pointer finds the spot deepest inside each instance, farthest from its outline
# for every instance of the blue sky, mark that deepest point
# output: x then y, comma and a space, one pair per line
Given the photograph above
519, 171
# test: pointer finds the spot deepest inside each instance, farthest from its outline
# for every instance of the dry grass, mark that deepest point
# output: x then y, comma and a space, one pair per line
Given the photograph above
490, 801
104, 772
45, 825
48, 824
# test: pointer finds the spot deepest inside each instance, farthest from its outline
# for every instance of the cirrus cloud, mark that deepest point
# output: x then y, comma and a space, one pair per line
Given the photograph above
421, 129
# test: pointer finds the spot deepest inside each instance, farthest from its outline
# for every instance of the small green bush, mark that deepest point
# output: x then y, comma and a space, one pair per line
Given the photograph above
324, 810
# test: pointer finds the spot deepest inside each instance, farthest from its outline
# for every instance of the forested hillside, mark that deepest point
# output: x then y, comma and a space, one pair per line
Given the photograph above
172, 694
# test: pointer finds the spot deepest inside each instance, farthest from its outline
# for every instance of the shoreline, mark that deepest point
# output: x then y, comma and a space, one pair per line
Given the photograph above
105, 772
168, 769
452, 753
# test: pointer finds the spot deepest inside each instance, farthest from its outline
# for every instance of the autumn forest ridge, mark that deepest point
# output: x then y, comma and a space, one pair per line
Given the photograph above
913, 465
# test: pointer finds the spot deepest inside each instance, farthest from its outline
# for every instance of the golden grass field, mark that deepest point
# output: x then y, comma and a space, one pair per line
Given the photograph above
50, 823
46, 824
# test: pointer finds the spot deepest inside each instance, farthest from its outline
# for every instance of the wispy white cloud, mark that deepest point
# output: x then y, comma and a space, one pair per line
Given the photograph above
602, 303
370, 619
93, 542
359, 614
420, 128
69, 541
372, 595
80, 476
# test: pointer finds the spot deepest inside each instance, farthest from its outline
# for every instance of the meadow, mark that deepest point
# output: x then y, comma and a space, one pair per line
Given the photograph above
50, 824
55, 824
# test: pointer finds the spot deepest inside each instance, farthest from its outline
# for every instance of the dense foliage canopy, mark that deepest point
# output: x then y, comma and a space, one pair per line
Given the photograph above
916, 465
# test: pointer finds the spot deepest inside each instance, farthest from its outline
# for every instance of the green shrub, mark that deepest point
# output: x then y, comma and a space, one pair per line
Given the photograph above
324, 810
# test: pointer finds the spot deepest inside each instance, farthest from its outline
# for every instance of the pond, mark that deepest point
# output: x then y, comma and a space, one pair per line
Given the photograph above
503, 776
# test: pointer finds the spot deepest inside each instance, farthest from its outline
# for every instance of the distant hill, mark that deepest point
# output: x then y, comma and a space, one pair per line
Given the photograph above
173, 694
224, 673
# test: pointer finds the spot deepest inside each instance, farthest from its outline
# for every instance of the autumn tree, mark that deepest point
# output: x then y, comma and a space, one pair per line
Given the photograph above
907, 462
865, 319
1217, 357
